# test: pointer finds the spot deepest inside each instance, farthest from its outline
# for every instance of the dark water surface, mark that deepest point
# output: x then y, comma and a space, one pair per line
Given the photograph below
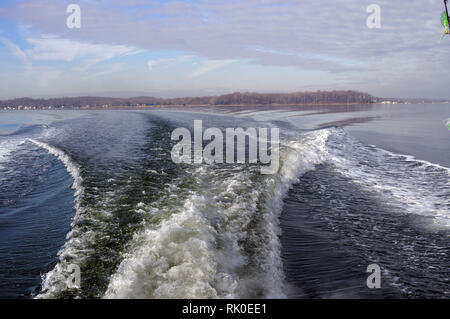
357, 185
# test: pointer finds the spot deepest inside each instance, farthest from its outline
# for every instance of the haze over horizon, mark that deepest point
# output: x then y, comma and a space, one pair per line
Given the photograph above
201, 48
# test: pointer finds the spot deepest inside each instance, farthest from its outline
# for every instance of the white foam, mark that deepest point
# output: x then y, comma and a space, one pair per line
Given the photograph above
177, 262
12, 143
198, 250
55, 280
414, 186
6, 148
71, 166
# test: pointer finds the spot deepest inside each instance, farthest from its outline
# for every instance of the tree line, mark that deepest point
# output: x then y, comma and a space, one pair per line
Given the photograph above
237, 98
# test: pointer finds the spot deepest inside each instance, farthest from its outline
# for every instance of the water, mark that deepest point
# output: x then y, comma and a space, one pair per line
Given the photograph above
357, 185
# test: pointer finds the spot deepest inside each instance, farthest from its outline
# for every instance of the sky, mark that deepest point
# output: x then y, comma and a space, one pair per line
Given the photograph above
159, 48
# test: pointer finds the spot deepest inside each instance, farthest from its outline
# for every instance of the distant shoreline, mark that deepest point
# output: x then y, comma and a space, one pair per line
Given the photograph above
127, 107
191, 106
237, 99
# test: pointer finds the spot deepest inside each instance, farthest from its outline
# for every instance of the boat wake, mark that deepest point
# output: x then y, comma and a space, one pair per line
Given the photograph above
212, 231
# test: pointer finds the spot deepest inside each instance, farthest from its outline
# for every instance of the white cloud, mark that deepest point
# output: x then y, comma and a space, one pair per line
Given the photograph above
110, 69
330, 38
168, 61
51, 48
209, 66
15, 49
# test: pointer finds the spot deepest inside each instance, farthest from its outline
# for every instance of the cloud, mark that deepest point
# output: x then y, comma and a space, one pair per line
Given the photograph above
168, 61
110, 69
53, 48
329, 37
209, 66
334, 28
14, 49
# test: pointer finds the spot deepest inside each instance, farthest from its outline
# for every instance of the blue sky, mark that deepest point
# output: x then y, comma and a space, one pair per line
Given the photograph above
208, 47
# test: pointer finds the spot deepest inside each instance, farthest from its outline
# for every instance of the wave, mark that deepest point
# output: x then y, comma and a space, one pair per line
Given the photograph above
417, 186
222, 241
6, 148
71, 166
13, 141
55, 280
213, 231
